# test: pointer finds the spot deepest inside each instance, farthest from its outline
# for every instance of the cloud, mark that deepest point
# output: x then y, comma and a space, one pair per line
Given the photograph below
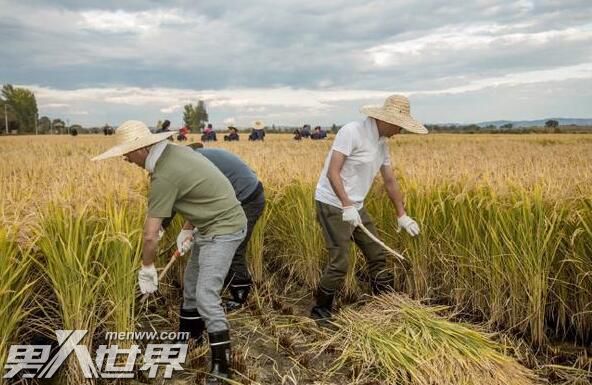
120, 21
457, 40
319, 59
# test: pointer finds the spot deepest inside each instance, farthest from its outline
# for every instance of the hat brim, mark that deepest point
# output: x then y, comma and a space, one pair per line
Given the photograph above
124, 148
404, 121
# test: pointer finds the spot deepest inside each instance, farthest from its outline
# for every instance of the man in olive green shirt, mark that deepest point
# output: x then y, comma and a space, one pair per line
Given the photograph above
215, 223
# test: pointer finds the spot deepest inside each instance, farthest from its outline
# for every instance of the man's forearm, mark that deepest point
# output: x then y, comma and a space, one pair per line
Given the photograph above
396, 196
149, 250
339, 189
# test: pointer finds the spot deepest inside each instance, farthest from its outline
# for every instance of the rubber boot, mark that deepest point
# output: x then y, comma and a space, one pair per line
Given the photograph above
384, 283
240, 292
220, 348
191, 322
322, 312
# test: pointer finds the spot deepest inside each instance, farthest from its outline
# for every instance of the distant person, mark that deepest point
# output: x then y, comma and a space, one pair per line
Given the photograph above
164, 127
183, 132
318, 133
297, 134
73, 132
258, 131
359, 151
232, 135
209, 135
305, 131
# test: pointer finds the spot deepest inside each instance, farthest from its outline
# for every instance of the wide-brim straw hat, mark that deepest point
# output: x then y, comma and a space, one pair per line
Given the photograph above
130, 136
258, 125
395, 110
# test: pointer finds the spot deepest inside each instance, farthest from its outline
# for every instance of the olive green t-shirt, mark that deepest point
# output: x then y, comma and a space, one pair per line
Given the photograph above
186, 182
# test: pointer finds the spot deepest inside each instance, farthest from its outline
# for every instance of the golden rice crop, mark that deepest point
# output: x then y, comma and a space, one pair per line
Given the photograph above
394, 340
506, 226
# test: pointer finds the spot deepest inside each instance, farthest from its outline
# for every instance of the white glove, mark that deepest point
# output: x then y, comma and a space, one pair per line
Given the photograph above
351, 216
184, 241
160, 233
408, 224
148, 279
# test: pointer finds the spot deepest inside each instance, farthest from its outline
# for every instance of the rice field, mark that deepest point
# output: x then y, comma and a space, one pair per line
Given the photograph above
498, 289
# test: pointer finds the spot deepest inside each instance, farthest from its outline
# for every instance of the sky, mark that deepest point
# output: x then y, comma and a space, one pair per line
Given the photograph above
296, 62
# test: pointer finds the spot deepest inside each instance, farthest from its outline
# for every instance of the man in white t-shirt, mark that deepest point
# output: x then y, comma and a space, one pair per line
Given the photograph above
359, 151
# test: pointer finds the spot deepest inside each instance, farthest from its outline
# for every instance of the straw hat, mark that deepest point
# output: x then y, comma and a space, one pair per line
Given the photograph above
258, 125
130, 136
396, 110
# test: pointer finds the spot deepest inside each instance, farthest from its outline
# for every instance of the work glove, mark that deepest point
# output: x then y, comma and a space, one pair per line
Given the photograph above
351, 216
409, 225
148, 279
184, 241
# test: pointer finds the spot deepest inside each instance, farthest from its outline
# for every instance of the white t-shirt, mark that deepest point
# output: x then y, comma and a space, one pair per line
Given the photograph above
365, 153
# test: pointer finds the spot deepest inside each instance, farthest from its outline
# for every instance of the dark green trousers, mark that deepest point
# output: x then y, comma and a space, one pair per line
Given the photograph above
337, 235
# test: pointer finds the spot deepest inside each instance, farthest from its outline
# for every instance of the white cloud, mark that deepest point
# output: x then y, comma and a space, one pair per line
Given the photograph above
120, 21
54, 105
280, 103
170, 109
580, 71
456, 41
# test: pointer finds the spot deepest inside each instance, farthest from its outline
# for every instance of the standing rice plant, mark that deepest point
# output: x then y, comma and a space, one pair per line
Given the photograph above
70, 245
579, 293
257, 244
531, 233
395, 340
15, 286
298, 246
120, 257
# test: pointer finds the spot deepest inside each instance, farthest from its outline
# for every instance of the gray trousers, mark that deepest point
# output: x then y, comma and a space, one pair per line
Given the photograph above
204, 276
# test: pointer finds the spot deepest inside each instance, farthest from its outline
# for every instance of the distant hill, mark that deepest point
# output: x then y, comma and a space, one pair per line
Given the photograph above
537, 123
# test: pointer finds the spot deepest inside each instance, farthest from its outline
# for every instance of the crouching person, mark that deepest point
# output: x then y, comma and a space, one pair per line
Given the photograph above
359, 151
249, 192
207, 202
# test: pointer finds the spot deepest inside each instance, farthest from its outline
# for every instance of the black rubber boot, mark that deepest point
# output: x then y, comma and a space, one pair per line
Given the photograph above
384, 283
191, 322
240, 292
322, 312
220, 348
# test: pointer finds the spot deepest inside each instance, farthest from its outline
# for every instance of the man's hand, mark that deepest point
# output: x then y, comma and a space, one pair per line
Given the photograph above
409, 225
148, 279
351, 216
184, 241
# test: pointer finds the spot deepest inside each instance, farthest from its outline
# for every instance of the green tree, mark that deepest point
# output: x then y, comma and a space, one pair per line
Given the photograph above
202, 113
189, 117
195, 116
22, 101
44, 125
551, 123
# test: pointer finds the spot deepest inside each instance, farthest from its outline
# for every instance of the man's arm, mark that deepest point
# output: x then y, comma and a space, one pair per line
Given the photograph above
334, 175
392, 188
150, 245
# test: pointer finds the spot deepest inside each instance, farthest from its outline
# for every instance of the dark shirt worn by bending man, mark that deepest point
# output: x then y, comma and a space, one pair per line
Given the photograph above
249, 192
